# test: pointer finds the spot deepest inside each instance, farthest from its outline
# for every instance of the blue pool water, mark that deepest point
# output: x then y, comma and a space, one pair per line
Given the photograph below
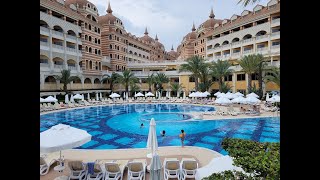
118, 126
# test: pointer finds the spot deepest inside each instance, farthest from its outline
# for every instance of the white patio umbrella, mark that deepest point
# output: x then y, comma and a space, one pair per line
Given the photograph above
239, 94
77, 96
184, 94
97, 97
267, 97
221, 95
275, 98
61, 137
206, 93
127, 95
42, 100
252, 100
139, 94
152, 142
88, 96
252, 94
217, 93
66, 98
238, 99
178, 94
223, 100
149, 94
169, 94
114, 95
71, 98
50, 99
230, 96
82, 97
155, 167
191, 94
100, 95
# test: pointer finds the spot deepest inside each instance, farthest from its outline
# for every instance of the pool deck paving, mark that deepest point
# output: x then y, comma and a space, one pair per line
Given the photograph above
202, 155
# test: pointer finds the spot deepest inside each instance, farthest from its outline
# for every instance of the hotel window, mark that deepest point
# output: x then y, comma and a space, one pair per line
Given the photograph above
110, 46
43, 40
254, 76
110, 37
241, 77
275, 43
110, 55
118, 57
191, 79
260, 46
228, 78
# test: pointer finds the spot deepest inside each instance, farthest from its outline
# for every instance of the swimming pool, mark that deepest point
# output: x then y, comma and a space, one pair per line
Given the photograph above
118, 126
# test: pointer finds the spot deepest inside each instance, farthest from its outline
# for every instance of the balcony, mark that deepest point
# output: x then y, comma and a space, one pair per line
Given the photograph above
71, 38
42, 43
58, 66
44, 31
247, 41
275, 49
236, 54
275, 35
72, 68
262, 38
57, 34
262, 49
275, 22
62, 23
44, 65
57, 48
247, 51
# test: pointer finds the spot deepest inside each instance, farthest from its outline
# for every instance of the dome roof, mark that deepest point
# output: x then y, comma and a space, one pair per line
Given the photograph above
81, 3
211, 21
146, 37
191, 35
109, 17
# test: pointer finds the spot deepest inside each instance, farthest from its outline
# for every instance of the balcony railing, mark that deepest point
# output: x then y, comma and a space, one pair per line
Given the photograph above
236, 53
275, 33
248, 40
57, 33
275, 20
275, 46
57, 46
44, 65
71, 49
44, 29
247, 51
58, 66
236, 43
71, 37
44, 43
261, 37
262, 49
72, 68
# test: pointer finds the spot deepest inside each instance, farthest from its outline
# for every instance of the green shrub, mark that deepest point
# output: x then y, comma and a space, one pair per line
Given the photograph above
260, 160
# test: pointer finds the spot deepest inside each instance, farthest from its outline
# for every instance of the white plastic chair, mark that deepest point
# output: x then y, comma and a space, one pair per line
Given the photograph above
188, 167
78, 170
171, 168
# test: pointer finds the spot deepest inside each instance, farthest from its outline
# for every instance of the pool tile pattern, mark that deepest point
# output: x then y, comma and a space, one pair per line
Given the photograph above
95, 121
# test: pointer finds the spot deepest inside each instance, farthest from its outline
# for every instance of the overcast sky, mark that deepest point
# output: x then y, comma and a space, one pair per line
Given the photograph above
169, 19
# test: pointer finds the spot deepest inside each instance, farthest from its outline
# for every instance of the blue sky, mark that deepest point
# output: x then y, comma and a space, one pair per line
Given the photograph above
169, 19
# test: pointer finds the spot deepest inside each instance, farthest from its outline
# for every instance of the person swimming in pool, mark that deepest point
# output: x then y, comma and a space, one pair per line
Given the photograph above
141, 126
163, 133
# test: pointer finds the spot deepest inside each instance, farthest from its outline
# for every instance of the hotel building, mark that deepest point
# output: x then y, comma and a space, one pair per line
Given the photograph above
74, 36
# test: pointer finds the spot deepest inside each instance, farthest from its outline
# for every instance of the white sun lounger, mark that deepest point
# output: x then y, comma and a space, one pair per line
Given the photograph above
46, 160
171, 168
78, 170
137, 169
188, 168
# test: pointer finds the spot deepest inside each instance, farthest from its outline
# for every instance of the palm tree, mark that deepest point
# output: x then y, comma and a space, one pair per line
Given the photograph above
206, 82
134, 88
274, 77
159, 79
220, 69
66, 79
193, 65
246, 2
127, 78
112, 79
253, 63
150, 80
176, 88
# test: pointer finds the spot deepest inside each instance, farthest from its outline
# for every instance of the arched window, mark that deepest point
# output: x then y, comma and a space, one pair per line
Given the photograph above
95, 51
89, 26
95, 40
90, 38
90, 50
110, 46
98, 41
118, 57
85, 37
50, 79
110, 36
87, 49
235, 40
225, 42
217, 45
248, 36
87, 81
90, 65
